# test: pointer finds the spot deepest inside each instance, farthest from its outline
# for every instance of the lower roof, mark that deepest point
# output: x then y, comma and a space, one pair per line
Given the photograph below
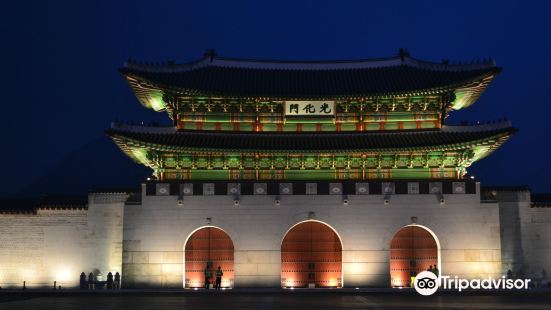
311, 141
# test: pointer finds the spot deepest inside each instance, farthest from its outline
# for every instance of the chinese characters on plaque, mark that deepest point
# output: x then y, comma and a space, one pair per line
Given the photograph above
303, 108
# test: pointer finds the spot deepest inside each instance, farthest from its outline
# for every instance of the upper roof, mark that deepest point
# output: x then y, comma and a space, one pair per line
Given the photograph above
228, 77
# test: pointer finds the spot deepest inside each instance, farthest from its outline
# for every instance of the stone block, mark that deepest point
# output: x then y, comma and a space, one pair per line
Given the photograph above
246, 269
453, 255
471, 269
126, 257
486, 255
151, 269
172, 270
156, 257
269, 269
131, 245
130, 270
365, 256
472, 255
496, 255
365, 268
259, 256
140, 257
173, 257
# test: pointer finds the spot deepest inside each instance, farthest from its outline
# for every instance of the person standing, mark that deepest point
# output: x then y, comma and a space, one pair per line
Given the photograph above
436, 271
82, 281
91, 281
117, 281
219, 274
208, 276
109, 281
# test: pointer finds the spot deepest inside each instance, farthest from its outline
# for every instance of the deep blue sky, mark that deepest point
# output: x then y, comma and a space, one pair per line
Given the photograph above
61, 87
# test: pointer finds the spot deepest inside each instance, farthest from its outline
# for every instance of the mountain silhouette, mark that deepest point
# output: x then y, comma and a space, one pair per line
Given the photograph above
100, 164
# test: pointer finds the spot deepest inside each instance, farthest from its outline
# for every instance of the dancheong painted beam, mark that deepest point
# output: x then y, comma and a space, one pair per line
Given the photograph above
427, 154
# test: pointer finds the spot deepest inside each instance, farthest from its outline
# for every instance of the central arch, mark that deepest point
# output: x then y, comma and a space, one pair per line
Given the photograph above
414, 248
208, 244
311, 255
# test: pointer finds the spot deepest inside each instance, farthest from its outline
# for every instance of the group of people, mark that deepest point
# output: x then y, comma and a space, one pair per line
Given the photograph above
434, 270
208, 277
113, 282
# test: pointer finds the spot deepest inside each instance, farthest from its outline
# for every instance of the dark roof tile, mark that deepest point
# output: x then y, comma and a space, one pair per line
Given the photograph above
308, 141
242, 78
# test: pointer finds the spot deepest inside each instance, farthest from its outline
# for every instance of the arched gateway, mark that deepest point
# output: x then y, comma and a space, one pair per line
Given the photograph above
412, 250
208, 244
311, 255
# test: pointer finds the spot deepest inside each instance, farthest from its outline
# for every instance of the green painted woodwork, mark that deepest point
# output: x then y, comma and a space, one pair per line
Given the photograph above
219, 165
390, 113
210, 174
308, 125
411, 173
309, 174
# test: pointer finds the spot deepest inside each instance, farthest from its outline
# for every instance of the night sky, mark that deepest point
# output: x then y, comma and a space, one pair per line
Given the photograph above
61, 87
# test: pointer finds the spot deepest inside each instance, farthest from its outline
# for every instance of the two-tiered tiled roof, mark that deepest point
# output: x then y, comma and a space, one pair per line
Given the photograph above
172, 87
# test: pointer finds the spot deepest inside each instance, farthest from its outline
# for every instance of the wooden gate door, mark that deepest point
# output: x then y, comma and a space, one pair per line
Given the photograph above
412, 250
311, 255
209, 244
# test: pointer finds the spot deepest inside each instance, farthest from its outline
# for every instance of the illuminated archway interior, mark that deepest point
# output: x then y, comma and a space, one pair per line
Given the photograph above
311, 255
412, 250
209, 244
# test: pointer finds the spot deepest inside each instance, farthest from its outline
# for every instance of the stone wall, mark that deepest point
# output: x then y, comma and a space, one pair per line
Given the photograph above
526, 235
510, 202
41, 248
58, 244
155, 233
536, 242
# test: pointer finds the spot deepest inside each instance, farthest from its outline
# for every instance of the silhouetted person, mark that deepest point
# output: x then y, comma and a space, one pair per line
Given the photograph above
82, 281
117, 281
91, 281
208, 276
509, 274
219, 274
109, 281
435, 271
430, 268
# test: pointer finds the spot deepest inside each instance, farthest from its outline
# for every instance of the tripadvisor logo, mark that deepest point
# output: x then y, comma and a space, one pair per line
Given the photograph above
427, 283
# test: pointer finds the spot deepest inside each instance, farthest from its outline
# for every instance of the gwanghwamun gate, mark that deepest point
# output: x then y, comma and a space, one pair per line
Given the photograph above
292, 174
